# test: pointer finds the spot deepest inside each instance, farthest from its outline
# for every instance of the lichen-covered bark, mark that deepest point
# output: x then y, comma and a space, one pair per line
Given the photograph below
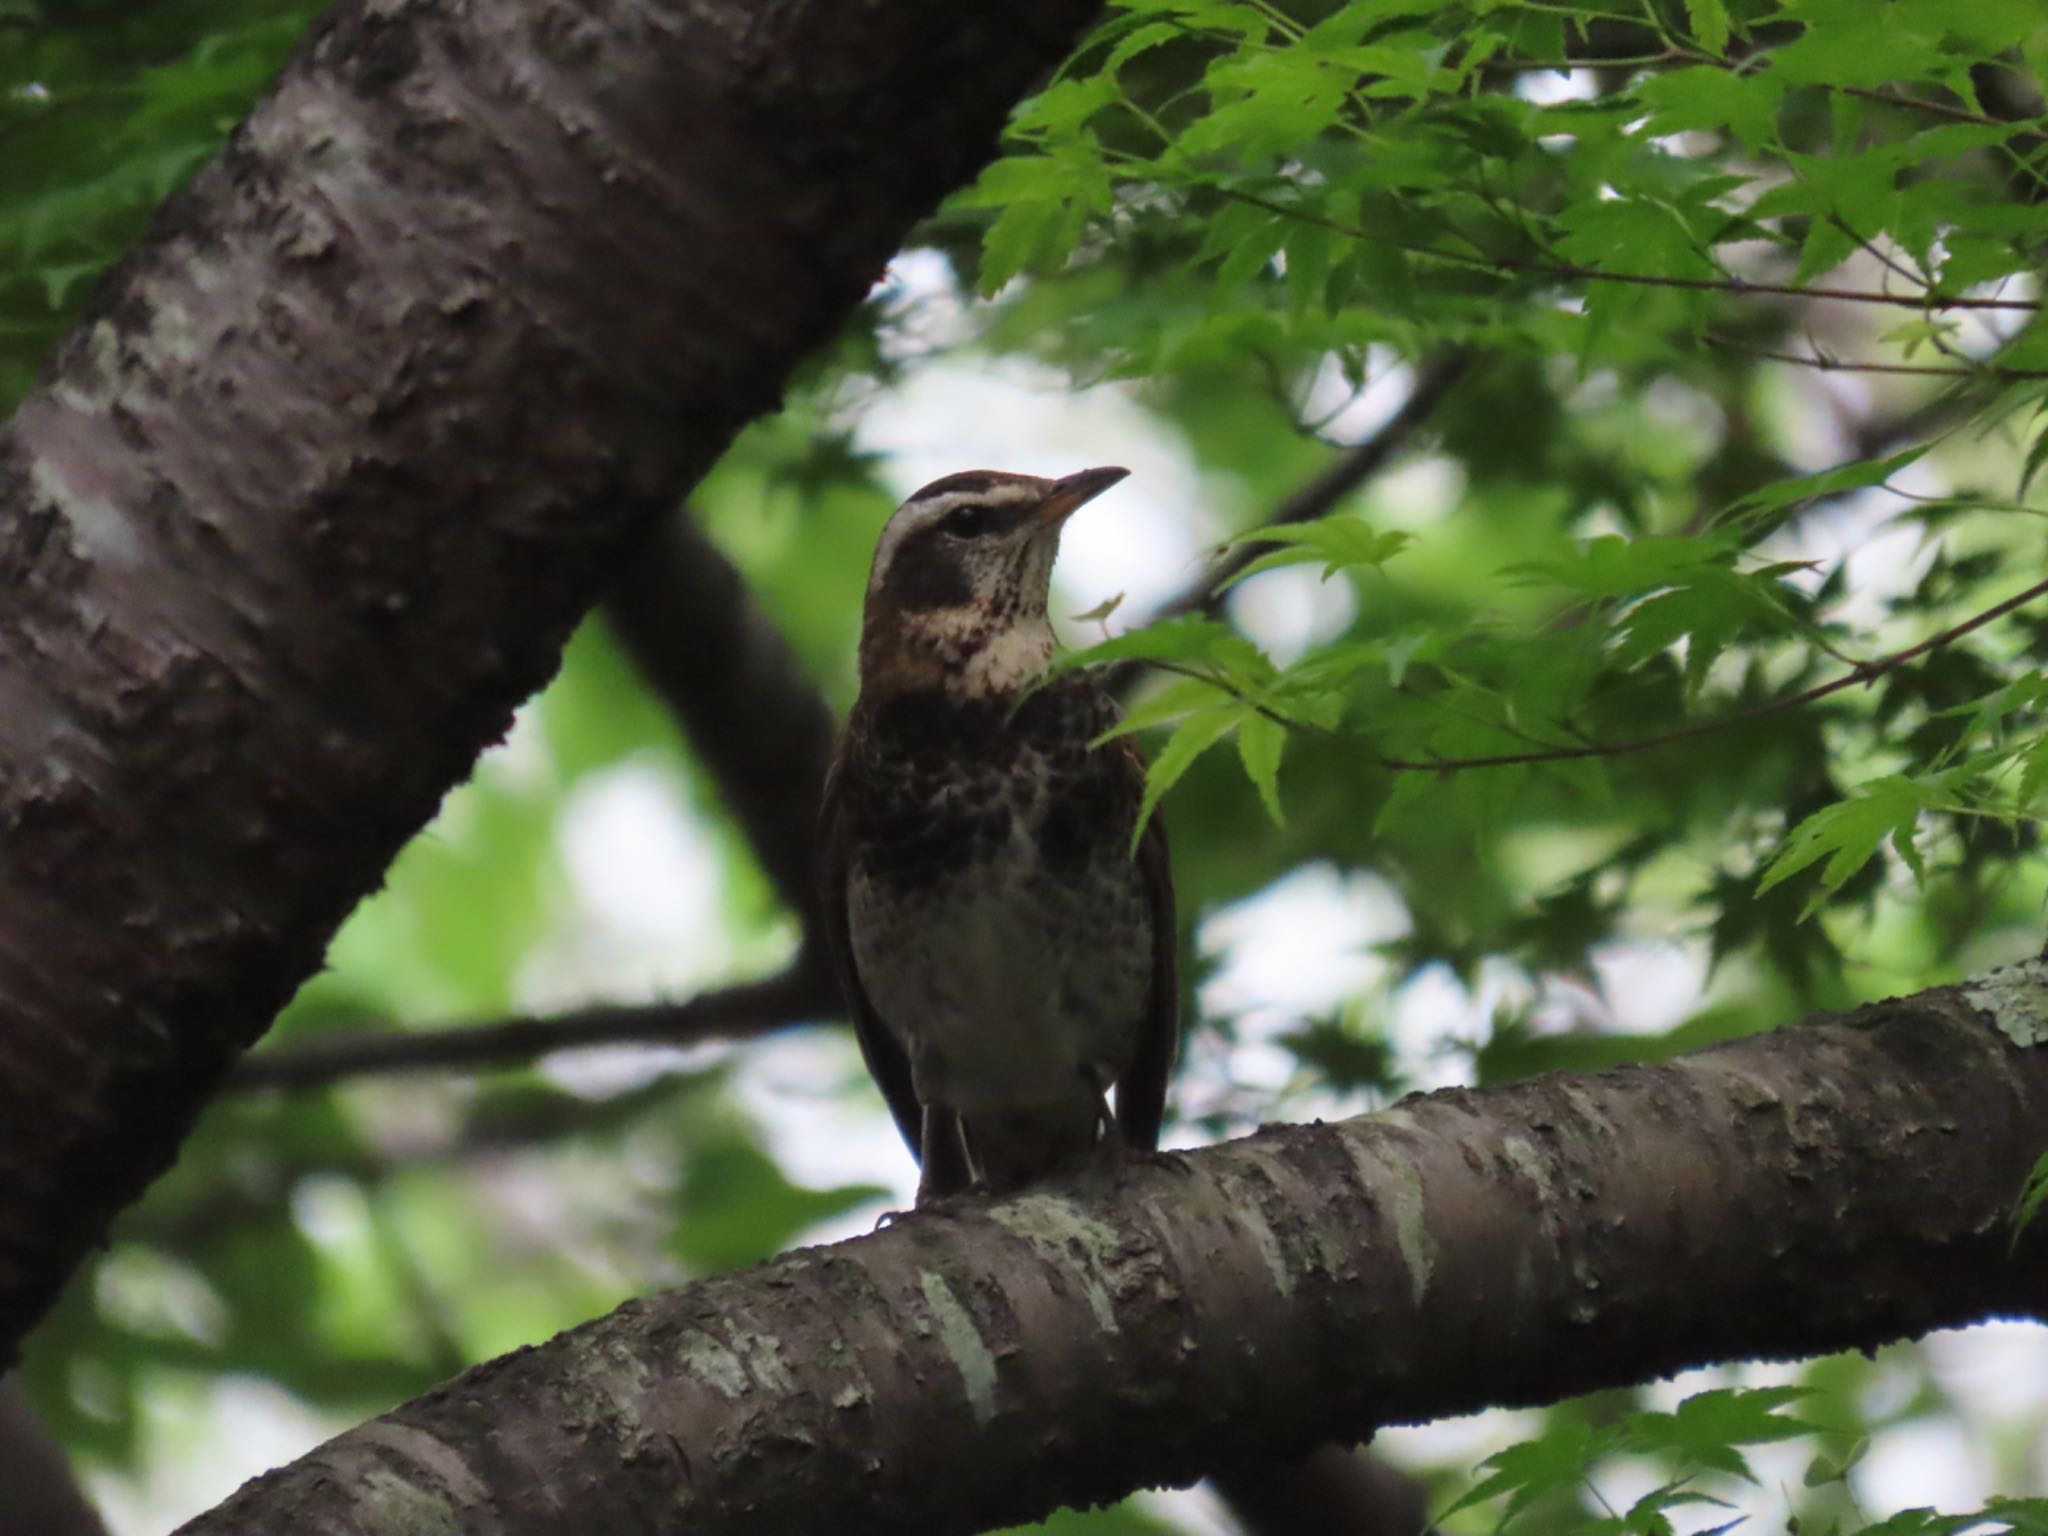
1836, 1184
308, 502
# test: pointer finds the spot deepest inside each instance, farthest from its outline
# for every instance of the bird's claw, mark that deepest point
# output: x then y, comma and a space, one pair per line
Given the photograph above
1155, 1157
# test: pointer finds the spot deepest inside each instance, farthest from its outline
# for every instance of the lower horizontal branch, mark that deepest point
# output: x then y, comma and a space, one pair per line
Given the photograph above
798, 995
1843, 1183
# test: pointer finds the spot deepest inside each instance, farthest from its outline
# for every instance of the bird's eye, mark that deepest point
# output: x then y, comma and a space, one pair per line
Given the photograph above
971, 522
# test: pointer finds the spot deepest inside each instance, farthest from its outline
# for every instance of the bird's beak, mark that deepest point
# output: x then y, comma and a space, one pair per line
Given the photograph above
1069, 495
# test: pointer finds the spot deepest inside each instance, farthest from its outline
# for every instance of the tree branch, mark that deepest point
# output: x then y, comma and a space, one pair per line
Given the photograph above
312, 497
1564, 271
804, 992
1331, 1491
1821, 361
37, 1488
755, 720
1840, 1184
762, 731
1351, 469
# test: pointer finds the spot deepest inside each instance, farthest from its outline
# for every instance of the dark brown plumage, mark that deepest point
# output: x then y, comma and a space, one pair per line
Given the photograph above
1006, 959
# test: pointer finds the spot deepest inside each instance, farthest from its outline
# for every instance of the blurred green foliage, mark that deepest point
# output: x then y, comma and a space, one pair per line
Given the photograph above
1631, 517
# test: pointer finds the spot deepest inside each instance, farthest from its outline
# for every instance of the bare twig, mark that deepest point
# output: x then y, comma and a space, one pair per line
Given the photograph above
1574, 272
1744, 287
1345, 474
742, 1012
1649, 60
1827, 364
1953, 113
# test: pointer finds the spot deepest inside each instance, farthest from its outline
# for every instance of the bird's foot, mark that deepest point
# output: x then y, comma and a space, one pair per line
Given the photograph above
949, 1206
1153, 1157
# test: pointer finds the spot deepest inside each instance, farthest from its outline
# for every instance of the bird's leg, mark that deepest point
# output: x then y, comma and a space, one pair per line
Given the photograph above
1105, 1118
942, 1161
1117, 1148
946, 1167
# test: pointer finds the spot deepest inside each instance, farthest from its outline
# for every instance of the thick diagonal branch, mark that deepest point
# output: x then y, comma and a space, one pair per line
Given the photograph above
309, 501
763, 731
727, 673
37, 1488
1842, 1183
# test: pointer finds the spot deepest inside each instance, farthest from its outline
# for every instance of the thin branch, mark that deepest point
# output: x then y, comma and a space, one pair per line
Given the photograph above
1743, 286
1574, 272
1877, 254
1827, 364
1676, 55
800, 994
1920, 104
1627, 746
1316, 497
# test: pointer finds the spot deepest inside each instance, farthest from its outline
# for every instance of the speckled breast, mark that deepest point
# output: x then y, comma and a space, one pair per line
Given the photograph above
1000, 927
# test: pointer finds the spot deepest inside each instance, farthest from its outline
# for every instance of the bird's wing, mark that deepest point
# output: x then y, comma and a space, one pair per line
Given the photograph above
887, 1062
1141, 1091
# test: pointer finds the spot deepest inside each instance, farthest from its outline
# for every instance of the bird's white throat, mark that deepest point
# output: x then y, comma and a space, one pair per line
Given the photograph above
1013, 657
956, 649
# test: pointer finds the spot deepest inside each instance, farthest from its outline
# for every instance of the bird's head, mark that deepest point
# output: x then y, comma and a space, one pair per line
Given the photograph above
957, 594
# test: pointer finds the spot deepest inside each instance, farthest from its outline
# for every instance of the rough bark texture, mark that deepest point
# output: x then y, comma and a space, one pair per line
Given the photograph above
308, 502
1842, 1183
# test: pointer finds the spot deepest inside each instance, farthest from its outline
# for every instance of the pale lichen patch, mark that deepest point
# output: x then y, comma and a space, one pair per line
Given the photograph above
1591, 1108
964, 1346
620, 1378
175, 335
762, 1354
1398, 1184
711, 1362
323, 137
100, 529
1060, 1234
1530, 1163
101, 344
386, 1502
2016, 998
428, 1452
1268, 1244
1523, 1157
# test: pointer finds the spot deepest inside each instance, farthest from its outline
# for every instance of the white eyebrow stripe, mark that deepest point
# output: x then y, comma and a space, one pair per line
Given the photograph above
911, 517
993, 492
920, 513
931, 508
